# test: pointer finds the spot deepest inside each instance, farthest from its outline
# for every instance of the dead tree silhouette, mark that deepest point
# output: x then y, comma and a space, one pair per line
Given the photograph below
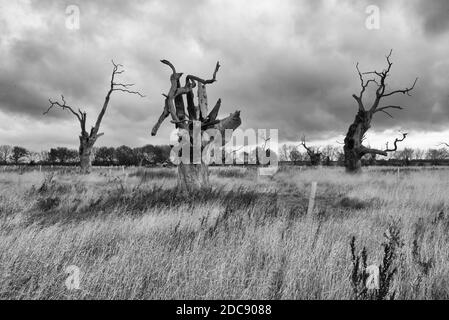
88, 139
353, 147
194, 174
314, 154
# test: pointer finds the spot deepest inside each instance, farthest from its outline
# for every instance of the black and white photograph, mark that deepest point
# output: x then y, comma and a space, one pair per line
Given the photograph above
246, 152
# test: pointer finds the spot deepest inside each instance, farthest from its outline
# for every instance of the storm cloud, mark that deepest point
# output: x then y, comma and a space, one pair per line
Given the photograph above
287, 65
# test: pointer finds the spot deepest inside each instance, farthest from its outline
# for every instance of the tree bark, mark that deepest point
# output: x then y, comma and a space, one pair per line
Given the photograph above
353, 162
85, 154
353, 141
193, 177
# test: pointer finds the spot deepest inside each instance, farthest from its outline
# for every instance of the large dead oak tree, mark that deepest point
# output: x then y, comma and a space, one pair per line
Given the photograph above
88, 139
353, 147
194, 175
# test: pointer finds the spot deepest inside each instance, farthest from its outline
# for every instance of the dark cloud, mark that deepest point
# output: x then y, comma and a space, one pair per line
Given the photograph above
435, 15
288, 65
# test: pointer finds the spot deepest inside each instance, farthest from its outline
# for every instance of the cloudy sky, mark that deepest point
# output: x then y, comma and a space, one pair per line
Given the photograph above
287, 65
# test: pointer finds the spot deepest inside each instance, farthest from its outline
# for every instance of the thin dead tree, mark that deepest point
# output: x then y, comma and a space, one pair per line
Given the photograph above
314, 155
88, 139
194, 175
353, 147
233, 154
262, 151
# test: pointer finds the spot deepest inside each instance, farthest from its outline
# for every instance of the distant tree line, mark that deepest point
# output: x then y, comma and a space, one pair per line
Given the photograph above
333, 154
150, 155
103, 156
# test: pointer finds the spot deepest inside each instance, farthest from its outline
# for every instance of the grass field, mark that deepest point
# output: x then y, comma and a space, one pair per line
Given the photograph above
249, 237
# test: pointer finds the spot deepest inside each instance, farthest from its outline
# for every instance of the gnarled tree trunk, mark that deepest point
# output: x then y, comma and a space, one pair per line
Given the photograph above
353, 147
85, 154
191, 174
193, 177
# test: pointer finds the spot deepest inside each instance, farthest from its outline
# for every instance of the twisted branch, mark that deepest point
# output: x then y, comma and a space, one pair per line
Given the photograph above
214, 76
364, 150
381, 87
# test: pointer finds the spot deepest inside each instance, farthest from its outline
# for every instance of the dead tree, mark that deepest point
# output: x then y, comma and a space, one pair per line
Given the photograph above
194, 175
314, 155
353, 147
88, 139
263, 150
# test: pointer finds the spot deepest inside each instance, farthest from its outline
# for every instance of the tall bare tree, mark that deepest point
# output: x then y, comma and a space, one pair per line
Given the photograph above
353, 147
313, 153
88, 139
191, 175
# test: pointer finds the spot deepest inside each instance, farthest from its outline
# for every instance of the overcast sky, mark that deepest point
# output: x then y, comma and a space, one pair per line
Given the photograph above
287, 65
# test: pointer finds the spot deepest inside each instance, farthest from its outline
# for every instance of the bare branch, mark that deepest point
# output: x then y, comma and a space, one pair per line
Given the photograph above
214, 113
170, 97
114, 87
129, 91
389, 107
265, 143
373, 72
184, 90
383, 109
191, 108
163, 116
404, 135
364, 84
387, 113
232, 122
403, 91
168, 63
63, 106
381, 85
125, 85
303, 143
364, 150
214, 76
309, 150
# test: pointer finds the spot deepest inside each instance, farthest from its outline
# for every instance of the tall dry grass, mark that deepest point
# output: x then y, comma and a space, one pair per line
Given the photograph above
136, 237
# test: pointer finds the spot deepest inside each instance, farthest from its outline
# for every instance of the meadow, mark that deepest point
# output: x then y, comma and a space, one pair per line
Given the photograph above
134, 236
